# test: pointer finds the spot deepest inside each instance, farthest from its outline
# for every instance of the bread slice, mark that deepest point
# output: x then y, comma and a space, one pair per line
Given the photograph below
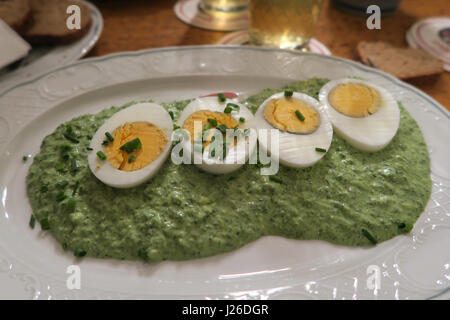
15, 12
404, 63
49, 22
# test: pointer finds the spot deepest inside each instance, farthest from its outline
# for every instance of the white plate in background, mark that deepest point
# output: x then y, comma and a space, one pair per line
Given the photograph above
42, 58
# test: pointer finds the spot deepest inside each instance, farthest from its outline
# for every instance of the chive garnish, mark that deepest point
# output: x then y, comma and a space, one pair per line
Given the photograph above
61, 196
70, 137
369, 236
212, 122
227, 110
221, 97
63, 183
233, 106
32, 221
89, 136
101, 155
89, 149
131, 158
275, 179
288, 93
105, 142
44, 224
25, 158
171, 114
74, 164
321, 150
175, 127
406, 227
299, 115
241, 119
109, 136
69, 128
65, 155
222, 128
79, 253
131, 145
75, 188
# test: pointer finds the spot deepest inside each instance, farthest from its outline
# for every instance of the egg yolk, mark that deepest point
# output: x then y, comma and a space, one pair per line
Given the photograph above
153, 141
203, 116
281, 114
355, 100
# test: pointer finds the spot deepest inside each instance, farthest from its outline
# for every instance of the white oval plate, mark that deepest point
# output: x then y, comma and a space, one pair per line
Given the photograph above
43, 58
33, 265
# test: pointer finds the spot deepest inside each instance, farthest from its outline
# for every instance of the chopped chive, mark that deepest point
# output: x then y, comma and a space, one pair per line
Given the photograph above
71, 204
241, 119
43, 188
369, 236
71, 138
109, 136
89, 136
44, 224
25, 158
222, 128
32, 222
65, 155
61, 196
275, 179
212, 122
175, 127
74, 164
227, 110
406, 227
89, 149
221, 97
79, 253
101, 155
321, 150
75, 188
69, 128
63, 183
233, 106
131, 158
131, 145
299, 115
171, 114
288, 93
105, 142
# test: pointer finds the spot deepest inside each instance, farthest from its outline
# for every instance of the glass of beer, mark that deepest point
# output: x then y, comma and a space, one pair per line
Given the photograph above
286, 24
222, 9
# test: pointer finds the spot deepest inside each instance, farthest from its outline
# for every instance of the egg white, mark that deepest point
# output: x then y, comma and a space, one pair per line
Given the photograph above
371, 133
141, 112
237, 155
296, 150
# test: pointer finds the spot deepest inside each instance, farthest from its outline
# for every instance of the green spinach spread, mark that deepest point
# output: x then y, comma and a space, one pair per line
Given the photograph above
349, 197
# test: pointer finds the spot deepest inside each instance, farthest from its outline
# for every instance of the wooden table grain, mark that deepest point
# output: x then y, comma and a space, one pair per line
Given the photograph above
141, 24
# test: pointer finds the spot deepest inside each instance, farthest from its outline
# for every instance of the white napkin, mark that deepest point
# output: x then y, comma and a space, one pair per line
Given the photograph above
12, 46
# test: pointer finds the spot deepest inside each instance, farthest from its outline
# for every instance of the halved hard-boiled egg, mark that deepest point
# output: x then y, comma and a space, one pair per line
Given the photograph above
213, 118
364, 114
305, 133
131, 146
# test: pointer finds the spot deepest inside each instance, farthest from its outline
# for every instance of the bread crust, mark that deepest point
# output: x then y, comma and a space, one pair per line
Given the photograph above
404, 63
49, 25
15, 13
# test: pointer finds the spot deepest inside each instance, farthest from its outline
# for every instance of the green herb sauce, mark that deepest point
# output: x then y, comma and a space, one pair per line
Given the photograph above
184, 213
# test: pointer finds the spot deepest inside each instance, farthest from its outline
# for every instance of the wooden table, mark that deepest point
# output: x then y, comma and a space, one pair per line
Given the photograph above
140, 24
